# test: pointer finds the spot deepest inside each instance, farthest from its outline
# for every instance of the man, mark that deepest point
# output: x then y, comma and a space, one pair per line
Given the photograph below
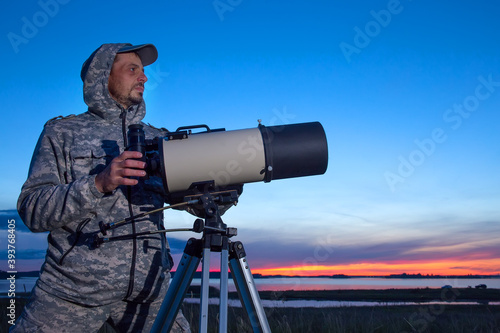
81, 175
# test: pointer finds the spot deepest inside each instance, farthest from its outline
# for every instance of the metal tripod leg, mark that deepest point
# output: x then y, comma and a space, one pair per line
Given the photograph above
178, 287
223, 290
204, 291
247, 291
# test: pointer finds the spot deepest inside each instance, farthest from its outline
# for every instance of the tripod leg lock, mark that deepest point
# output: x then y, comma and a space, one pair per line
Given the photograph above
237, 251
194, 247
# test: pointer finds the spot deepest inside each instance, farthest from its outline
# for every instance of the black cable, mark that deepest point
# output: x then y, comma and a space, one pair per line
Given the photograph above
107, 226
78, 233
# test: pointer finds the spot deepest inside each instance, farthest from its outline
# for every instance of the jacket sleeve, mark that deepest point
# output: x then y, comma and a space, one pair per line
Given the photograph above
48, 200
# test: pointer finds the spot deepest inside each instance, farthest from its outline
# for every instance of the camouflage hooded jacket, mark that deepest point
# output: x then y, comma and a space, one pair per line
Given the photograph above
60, 196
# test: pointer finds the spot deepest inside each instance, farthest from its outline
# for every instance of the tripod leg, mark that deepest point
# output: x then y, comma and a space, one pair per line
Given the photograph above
247, 291
205, 287
178, 287
223, 290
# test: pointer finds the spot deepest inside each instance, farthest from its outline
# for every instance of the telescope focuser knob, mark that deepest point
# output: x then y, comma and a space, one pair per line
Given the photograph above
104, 227
198, 225
97, 241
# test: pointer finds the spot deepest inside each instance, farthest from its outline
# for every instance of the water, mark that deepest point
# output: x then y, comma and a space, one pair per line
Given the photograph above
22, 285
326, 304
282, 284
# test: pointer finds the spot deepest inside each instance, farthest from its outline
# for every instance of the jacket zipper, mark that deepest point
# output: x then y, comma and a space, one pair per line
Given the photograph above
131, 213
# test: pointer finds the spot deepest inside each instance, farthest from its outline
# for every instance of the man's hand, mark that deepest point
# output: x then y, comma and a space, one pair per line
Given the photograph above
119, 171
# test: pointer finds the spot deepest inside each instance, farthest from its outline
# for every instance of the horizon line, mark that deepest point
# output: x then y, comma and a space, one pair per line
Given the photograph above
419, 275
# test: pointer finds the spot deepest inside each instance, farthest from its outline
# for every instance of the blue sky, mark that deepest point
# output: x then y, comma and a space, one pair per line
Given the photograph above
408, 93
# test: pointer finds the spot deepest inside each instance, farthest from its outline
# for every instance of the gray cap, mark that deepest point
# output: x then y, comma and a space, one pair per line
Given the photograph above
147, 52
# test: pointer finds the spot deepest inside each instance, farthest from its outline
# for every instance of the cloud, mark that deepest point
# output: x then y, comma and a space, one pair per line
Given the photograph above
466, 242
11, 214
287, 244
8, 212
26, 254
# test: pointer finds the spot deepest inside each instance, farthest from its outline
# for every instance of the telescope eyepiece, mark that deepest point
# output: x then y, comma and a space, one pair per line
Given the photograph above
136, 139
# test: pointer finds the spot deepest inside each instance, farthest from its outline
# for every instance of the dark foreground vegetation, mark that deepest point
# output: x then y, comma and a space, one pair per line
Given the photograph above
427, 316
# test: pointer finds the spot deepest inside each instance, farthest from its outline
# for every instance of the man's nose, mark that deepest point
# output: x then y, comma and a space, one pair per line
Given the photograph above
142, 78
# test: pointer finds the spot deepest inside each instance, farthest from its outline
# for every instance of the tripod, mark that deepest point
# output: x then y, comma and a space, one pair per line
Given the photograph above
215, 239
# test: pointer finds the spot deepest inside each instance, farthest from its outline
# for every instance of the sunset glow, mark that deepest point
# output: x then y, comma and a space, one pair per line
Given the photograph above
484, 267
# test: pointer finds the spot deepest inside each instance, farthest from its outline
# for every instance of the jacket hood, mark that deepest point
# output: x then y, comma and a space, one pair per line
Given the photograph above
95, 75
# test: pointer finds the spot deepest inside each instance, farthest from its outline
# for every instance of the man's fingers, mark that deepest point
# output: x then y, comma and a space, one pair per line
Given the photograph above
127, 160
127, 155
134, 164
127, 172
128, 181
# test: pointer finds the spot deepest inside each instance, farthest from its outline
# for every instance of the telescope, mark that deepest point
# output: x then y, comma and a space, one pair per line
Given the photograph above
214, 164
185, 158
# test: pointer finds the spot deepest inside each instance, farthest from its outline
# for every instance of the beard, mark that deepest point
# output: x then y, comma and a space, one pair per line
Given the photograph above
124, 97
134, 97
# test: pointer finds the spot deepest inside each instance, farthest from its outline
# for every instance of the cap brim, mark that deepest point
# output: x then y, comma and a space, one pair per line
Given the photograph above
147, 52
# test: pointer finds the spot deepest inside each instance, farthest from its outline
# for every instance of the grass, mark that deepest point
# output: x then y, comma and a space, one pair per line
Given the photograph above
426, 317
447, 319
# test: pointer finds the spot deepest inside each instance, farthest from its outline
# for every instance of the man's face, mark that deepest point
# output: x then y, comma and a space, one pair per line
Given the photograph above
126, 80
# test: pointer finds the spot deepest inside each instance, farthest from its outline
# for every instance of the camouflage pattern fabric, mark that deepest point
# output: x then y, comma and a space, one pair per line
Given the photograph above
60, 196
45, 313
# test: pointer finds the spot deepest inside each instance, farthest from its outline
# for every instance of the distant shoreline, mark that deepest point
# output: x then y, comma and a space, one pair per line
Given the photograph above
215, 275
391, 276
